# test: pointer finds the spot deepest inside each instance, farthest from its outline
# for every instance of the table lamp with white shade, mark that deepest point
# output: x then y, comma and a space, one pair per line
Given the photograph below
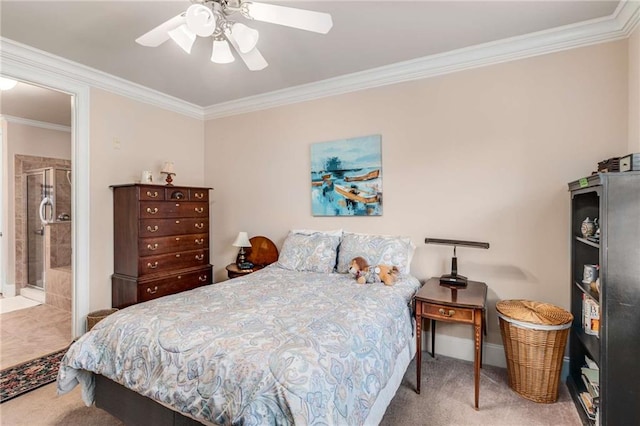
168, 170
242, 241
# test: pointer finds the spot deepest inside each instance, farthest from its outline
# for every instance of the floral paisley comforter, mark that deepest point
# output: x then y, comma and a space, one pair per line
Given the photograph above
274, 347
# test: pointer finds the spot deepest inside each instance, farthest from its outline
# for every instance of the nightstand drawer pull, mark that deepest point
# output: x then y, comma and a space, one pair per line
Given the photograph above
152, 247
445, 313
153, 194
199, 225
199, 195
154, 291
154, 229
199, 241
202, 278
154, 211
199, 256
199, 209
152, 265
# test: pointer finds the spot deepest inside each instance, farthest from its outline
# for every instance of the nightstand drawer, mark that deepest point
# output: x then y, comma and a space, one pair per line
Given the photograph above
447, 313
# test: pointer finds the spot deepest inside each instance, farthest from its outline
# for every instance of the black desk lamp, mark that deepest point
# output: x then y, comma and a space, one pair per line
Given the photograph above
454, 279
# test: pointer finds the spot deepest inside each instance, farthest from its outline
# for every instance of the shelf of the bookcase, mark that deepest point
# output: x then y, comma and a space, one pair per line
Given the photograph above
586, 290
588, 242
590, 343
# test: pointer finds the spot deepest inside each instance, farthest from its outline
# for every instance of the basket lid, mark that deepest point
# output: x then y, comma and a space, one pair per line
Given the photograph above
534, 312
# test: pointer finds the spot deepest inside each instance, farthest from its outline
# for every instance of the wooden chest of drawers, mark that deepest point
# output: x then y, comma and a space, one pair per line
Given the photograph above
161, 241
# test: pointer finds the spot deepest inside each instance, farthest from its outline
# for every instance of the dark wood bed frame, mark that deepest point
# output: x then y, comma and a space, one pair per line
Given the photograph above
134, 409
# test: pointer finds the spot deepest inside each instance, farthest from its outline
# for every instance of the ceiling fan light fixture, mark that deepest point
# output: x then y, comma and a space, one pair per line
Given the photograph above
247, 38
221, 52
183, 37
201, 20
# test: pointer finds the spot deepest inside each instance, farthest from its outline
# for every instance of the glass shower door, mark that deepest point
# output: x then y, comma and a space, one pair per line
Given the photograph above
36, 191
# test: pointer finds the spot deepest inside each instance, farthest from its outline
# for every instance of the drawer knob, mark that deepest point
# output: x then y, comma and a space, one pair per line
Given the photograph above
445, 313
199, 209
200, 225
199, 256
154, 229
153, 265
177, 204
154, 291
202, 278
178, 255
177, 221
152, 211
153, 194
198, 195
152, 247
199, 241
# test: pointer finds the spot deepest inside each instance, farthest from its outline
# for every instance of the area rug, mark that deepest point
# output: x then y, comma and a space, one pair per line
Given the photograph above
22, 378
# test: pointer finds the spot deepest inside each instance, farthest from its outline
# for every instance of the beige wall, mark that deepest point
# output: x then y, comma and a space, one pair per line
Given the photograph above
22, 139
147, 137
484, 154
634, 91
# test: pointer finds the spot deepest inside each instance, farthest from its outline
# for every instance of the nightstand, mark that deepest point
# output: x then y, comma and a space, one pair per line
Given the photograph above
459, 305
233, 271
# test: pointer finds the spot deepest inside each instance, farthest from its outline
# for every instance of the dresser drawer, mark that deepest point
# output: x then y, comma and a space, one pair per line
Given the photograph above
444, 313
167, 209
161, 245
148, 290
165, 262
164, 227
150, 193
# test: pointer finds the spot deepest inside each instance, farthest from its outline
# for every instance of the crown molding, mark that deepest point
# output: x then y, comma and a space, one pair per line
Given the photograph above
620, 24
35, 123
31, 57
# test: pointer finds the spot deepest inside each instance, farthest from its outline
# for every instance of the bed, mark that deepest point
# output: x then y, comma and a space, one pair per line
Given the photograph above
298, 342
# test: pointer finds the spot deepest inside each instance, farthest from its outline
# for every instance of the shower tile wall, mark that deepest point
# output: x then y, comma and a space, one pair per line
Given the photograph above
58, 265
25, 163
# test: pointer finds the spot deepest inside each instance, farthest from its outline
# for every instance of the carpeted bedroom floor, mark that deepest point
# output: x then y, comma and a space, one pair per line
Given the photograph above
446, 399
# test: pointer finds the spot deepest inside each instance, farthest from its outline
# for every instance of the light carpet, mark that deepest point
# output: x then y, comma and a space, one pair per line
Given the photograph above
10, 304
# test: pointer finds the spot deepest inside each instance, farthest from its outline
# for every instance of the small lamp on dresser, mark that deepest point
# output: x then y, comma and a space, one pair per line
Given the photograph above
242, 241
167, 169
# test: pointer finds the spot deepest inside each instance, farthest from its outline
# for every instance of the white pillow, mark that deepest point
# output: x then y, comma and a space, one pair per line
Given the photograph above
316, 252
377, 250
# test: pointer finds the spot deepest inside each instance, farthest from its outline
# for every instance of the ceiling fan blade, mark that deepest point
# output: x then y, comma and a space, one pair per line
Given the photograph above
252, 59
308, 20
160, 34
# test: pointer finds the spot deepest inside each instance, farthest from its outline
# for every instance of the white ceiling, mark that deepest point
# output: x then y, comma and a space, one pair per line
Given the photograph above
366, 35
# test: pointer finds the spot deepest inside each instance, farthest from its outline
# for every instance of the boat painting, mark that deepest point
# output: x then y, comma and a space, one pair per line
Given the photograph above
346, 177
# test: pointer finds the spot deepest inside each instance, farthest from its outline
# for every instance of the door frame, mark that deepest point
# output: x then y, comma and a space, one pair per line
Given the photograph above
38, 68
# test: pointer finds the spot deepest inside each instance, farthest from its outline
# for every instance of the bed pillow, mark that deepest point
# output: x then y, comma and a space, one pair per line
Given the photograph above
377, 250
316, 252
335, 232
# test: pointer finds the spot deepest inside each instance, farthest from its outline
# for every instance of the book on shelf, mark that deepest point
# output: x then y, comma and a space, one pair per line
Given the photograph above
592, 388
593, 376
587, 404
590, 316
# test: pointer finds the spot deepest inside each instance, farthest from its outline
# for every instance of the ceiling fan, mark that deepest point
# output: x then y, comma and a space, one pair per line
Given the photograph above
212, 18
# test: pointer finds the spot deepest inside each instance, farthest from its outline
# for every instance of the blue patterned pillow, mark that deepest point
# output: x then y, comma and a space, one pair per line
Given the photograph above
377, 250
312, 253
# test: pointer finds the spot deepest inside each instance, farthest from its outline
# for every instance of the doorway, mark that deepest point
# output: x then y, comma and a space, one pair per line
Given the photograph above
37, 288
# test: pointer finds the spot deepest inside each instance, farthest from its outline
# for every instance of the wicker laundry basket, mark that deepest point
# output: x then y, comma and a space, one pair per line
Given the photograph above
534, 335
94, 317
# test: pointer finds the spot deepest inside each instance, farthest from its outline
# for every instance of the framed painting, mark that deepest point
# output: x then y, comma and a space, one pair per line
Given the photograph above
346, 177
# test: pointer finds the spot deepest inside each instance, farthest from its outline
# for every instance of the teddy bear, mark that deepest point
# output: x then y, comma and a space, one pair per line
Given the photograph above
364, 273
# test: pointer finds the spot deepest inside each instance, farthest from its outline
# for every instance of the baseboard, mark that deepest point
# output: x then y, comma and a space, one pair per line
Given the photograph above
9, 290
493, 354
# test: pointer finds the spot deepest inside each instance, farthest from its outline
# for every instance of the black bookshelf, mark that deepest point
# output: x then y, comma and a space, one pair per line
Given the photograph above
613, 198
